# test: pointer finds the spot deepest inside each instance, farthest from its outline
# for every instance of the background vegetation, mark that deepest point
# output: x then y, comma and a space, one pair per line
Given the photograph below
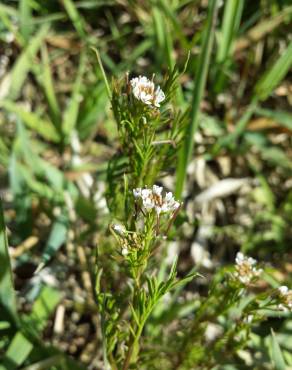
58, 136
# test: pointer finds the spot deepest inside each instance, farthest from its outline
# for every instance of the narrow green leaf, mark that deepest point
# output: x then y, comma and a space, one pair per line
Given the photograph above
276, 353
199, 87
26, 24
58, 361
135, 316
25, 61
230, 25
71, 113
274, 75
75, 17
48, 86
281, 117
263, 28
109, 94
231, 20
44, 128
7, 295
7, 14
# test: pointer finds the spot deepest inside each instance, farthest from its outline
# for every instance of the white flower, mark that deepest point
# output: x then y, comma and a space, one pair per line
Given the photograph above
153, 199
246, 268
119, 229
283, 290
137, 192
144, 90
125, 252
285, 296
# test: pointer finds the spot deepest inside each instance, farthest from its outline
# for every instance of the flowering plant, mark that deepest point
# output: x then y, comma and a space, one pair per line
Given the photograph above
221, 321
150, 134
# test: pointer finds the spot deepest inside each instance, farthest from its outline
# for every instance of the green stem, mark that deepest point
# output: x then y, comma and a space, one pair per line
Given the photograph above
148, 239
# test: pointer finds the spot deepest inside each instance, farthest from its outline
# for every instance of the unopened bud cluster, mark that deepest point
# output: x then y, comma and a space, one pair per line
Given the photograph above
285, 298
128, 241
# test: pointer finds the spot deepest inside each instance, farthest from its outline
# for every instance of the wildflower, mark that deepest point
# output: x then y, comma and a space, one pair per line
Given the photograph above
125, 252
119, 229
153, 199
246, 269
285, 297
144, 90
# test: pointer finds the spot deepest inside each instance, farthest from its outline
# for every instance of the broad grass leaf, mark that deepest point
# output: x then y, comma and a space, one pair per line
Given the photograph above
17, 352
42, 309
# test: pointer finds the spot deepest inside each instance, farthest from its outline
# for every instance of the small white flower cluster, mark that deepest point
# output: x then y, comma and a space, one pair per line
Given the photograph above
153, 199
246, 269
144, 90
285, 296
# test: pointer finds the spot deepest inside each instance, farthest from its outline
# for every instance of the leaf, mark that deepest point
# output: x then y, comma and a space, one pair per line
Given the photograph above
24, 62
17, 352
75, 17
71, 112
276, 353
42, 127
262, 29
25, 17
274, 75
46, 81
42, 309
231, 20
58, 361
7, 295
135, 316
57, 238
281, 117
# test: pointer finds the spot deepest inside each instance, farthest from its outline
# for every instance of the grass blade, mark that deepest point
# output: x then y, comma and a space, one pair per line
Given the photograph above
275, 74
17, 352
25, 19
109, 94
48, 86
280, 117
44, 128
75, 17
7, 295
263, 28
200, 82
56, 239
276, 354
42, 309
71, 113
231, 20
24, 63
